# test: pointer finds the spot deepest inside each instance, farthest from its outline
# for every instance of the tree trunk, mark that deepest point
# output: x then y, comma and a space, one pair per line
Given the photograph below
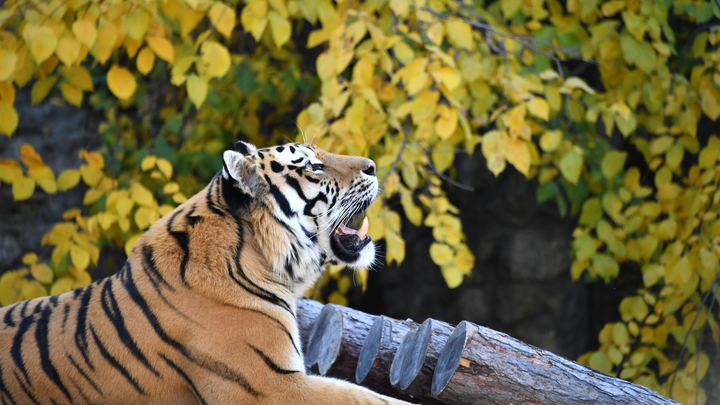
436, 363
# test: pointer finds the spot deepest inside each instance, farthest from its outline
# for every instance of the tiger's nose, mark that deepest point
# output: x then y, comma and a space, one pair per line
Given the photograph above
370, 169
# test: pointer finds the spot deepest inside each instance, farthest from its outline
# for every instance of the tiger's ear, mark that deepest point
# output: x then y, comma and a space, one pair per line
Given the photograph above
243, 170
246, 148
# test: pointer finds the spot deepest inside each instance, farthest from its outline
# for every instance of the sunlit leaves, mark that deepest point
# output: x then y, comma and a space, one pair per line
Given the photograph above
121, 82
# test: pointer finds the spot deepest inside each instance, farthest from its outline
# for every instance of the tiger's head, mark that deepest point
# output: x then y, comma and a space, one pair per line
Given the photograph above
318, 198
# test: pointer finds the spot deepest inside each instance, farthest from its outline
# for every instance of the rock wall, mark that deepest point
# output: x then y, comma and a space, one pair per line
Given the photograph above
58, 133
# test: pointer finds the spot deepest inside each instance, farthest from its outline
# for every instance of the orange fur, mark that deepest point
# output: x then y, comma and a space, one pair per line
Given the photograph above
204, 309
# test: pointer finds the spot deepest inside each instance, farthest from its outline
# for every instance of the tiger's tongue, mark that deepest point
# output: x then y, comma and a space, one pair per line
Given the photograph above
345, 230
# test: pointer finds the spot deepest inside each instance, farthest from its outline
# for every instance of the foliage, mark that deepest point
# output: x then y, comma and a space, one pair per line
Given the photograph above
409, 83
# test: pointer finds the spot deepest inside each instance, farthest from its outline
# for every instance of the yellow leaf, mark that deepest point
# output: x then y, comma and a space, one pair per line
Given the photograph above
253, 18
577, 83
45, 178
446, 122
136, 22
68, 179
442, 156
179, 198
145, 60
32, 289
550, 140
93, 159
41, 88
539, 108
280, 28
144, 217
460, 33
42, 273
105, 45
8, 59
196, 89
91, 196
148, 162
72, 94
141, 195
62, 285
123, 207
78, 76
661, 144
453, 275
612, 163
91, 175
23, 188
121, 82
412, 211
424, 105
403, 53
80, 258
170, 188
518, 155
441, 253
8, 119
189, 20
162, 48
85, 32
165, 167
222, 18
10, 170
41, 41
571, 166
68, 50
30, 157
395, 247
606, 266
30, 258
215, 59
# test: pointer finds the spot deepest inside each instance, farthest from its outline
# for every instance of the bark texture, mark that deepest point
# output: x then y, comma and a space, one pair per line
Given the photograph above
436, 363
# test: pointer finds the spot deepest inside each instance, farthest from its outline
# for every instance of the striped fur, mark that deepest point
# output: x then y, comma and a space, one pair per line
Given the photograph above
203, 312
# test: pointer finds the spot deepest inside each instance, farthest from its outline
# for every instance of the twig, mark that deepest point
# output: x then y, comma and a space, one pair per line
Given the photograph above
441, 174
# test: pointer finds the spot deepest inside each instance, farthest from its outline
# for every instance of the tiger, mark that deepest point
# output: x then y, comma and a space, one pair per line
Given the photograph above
204, 310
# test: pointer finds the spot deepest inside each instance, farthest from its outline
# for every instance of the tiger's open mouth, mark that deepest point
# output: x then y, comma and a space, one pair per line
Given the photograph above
350, 238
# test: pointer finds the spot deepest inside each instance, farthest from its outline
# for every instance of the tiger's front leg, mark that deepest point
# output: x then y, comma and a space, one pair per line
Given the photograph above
291, 389
305, 389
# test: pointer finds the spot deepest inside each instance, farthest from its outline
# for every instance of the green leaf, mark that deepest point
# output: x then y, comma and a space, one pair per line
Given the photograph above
591, 211
612, 163
546, 191
605, 266
571, 166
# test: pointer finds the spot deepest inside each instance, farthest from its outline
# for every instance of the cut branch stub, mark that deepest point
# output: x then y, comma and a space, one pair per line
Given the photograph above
380, 334
414, 355
324, 341
450, 357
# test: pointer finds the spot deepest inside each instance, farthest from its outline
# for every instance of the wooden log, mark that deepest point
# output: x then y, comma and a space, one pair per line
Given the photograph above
469, 364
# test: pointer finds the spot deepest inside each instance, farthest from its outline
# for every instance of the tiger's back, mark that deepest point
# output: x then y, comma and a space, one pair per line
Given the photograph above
204, 309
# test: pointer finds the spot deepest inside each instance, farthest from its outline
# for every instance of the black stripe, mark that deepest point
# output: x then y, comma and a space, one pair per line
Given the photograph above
24, 307
292, 182
112, 310
209, 199
256, 289
216, 367
276, 167
311, 204
280, 198
16, 349
298, 160
186, 378
274, 367
182, 240
277, 321
54, 300
66, 312
8, 319
43, 345
81, 325
149, 267
25, 388
84, 374
113, 361
289, 270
